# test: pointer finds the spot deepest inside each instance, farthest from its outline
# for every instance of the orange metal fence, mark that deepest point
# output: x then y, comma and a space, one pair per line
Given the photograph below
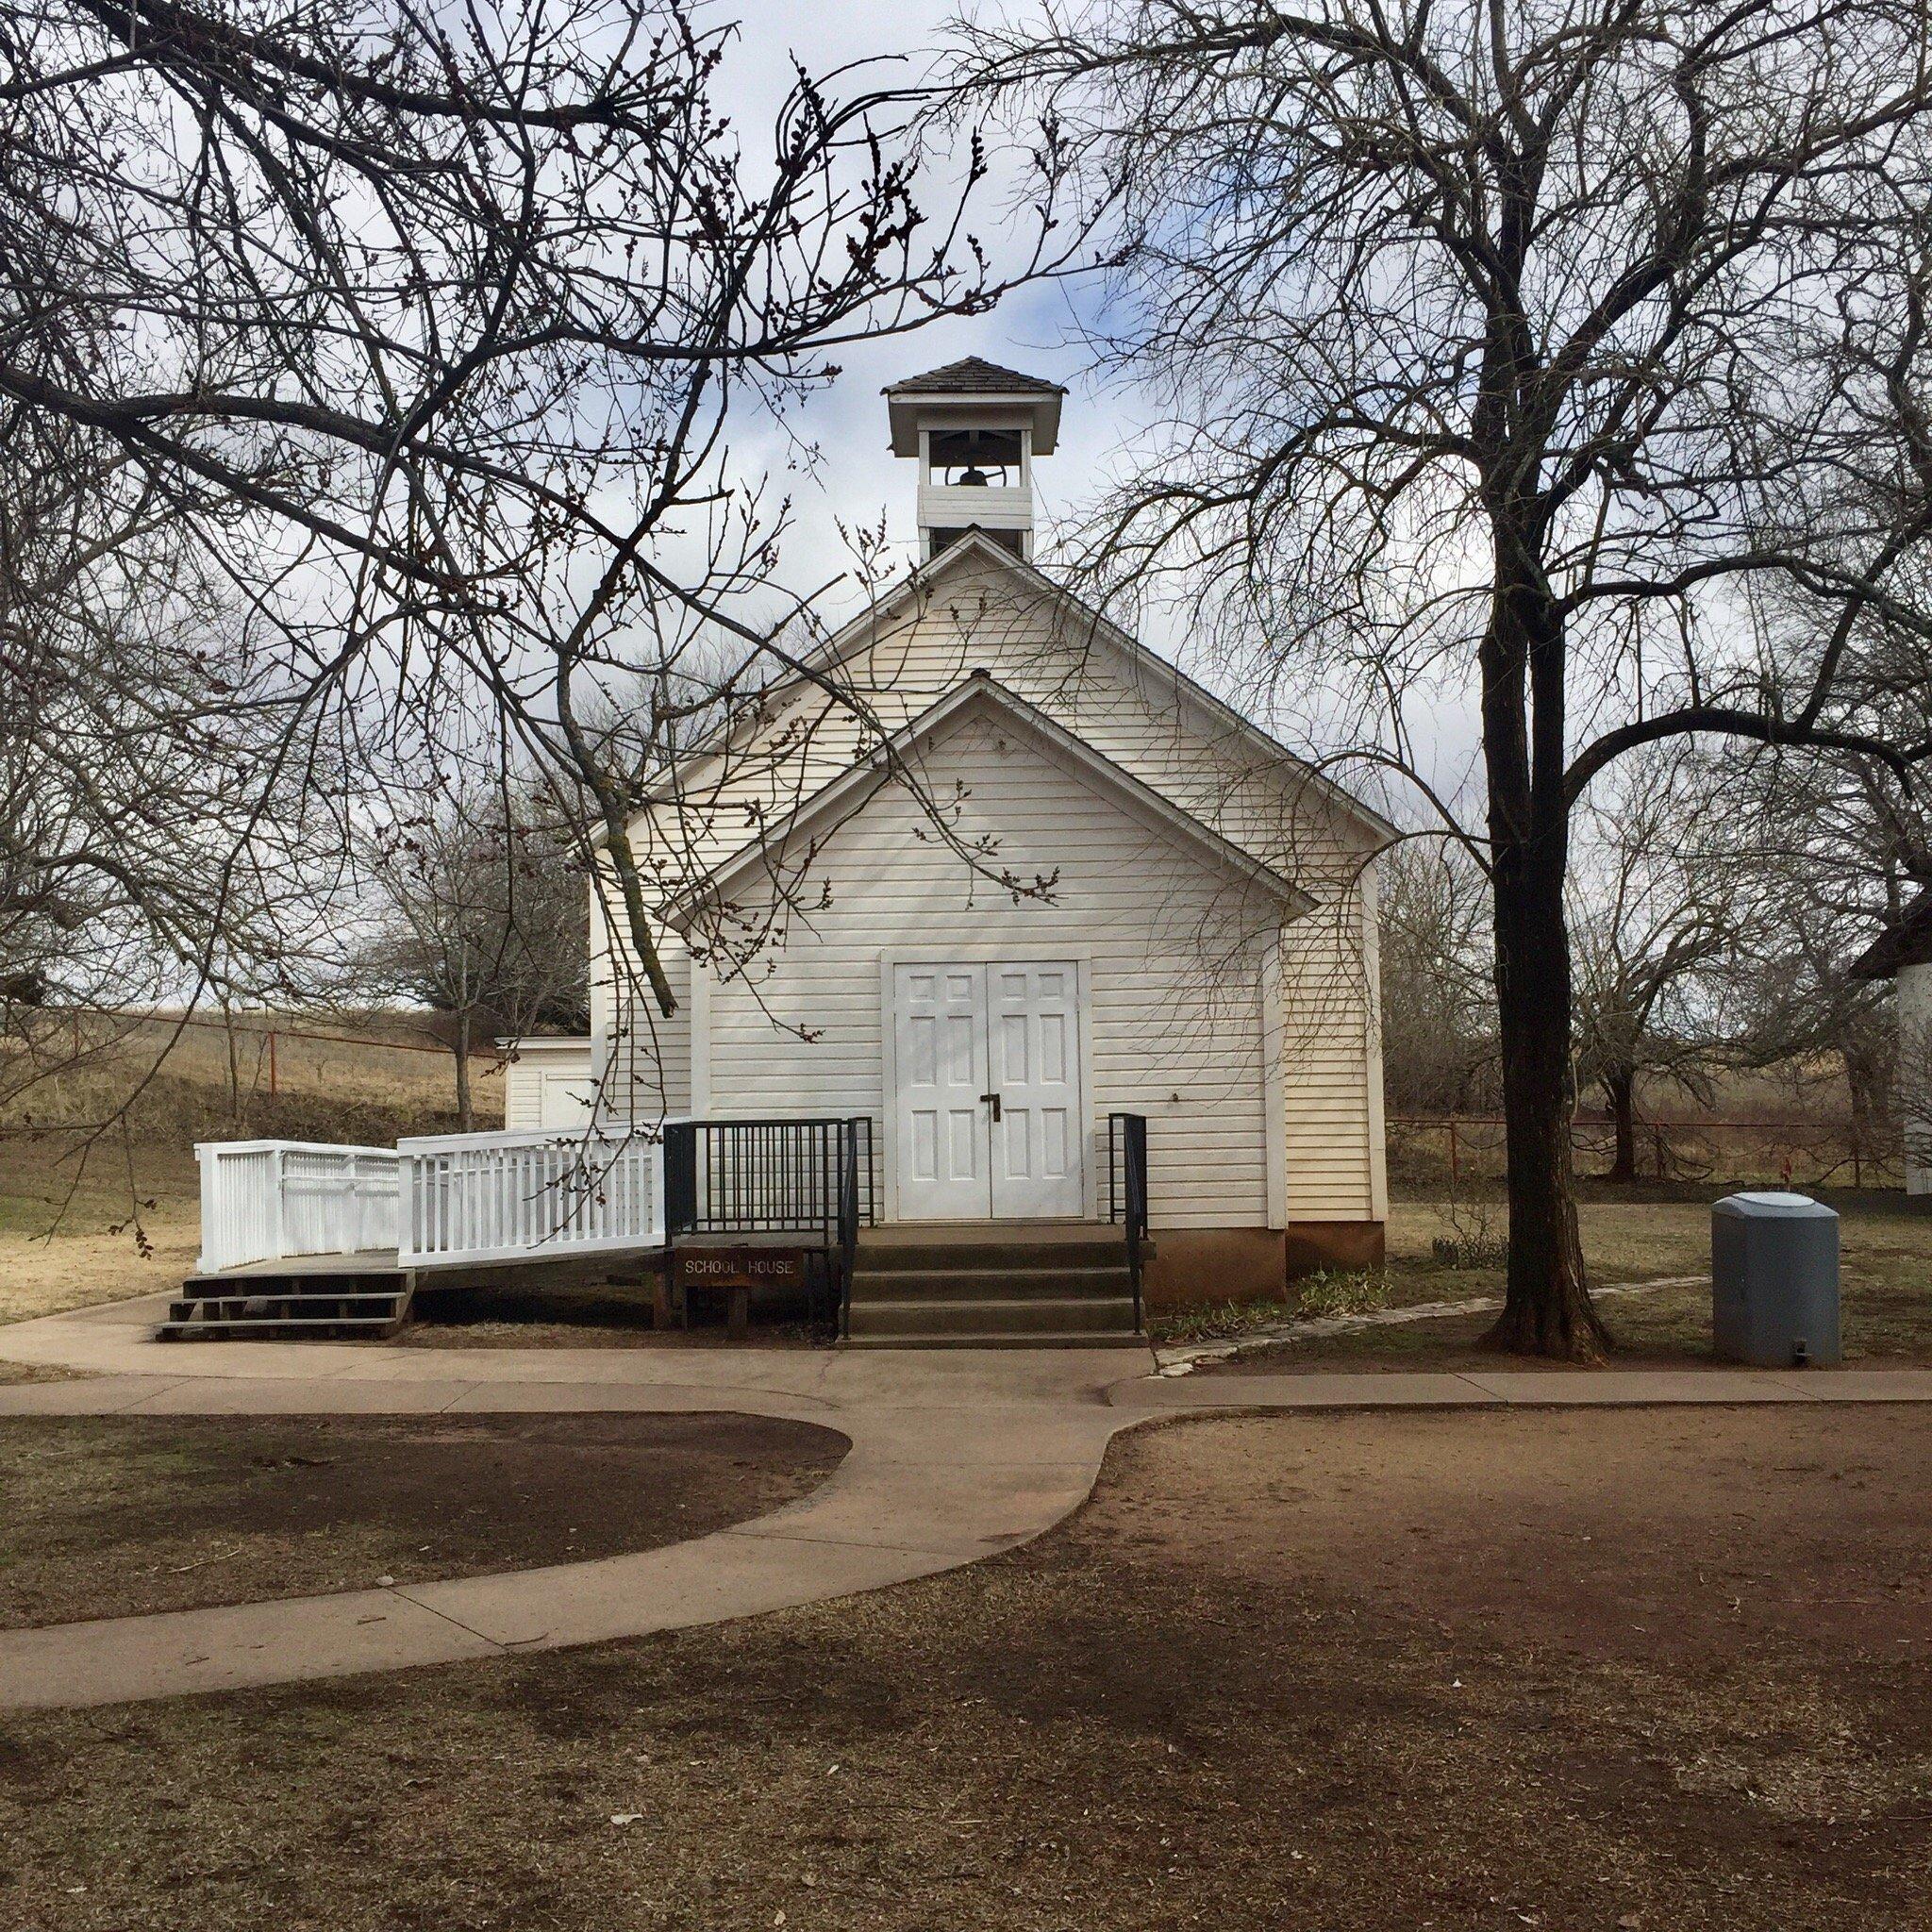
1791, 1152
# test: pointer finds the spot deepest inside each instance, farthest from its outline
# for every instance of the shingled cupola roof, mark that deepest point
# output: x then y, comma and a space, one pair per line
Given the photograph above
1908, 943
973, 376
974, 384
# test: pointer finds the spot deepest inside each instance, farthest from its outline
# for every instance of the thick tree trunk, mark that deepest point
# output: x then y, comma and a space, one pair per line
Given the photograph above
1619, 1087
1546, 1308
1867, 1085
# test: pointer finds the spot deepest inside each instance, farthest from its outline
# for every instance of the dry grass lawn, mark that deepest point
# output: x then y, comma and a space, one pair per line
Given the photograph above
65, 1246
1668, 1671
1624, 1238
110, 1516
1886, 1287
43, 1274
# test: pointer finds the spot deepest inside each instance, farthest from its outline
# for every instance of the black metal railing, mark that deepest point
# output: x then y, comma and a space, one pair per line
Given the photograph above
801, 1177
1127, 1189
855, 1186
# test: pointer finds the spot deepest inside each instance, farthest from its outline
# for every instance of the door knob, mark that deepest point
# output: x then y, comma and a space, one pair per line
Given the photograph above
992, 1100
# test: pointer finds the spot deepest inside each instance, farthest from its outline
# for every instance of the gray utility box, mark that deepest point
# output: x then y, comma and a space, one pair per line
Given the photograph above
1774, 1280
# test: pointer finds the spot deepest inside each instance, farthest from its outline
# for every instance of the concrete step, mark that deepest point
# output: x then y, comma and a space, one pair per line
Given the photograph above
282, 1328
1089, 1316
1055, 1286
912, 1256
1034, 1283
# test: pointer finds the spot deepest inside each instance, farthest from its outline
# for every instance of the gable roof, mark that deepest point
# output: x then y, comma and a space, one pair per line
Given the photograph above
1144, 663
982, 695
1908, 943
973, 376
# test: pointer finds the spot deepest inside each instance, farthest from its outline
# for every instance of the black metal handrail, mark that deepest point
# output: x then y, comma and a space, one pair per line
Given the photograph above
855, 1174
763, 1177
681, 1176
807, 1176
1127, 1189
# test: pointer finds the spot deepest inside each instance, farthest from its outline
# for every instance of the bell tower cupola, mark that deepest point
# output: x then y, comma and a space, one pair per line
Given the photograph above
975, 429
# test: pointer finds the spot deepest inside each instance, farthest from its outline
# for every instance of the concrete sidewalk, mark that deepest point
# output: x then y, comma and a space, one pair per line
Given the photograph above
954, 1456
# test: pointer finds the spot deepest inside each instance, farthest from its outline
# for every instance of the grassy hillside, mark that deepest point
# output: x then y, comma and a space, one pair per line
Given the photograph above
98, 1190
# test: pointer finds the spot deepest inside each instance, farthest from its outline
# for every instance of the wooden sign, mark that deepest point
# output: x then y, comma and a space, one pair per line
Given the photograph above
738, 1268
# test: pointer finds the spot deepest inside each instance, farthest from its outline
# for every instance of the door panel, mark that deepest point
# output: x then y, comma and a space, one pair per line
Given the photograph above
940, 1122
963, 1032
1034, 1022
566, 1100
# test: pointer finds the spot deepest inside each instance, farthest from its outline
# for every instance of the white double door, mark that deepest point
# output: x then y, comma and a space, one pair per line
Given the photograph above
987, 1113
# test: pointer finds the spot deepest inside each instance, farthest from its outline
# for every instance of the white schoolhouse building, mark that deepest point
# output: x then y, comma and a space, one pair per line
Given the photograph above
1014, 900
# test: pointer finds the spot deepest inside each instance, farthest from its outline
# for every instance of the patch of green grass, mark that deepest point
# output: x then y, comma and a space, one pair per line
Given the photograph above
1329, 1292
1332, 1291
1216, 1321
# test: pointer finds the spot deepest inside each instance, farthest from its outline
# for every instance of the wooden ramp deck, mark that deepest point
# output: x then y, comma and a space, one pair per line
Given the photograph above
370, 1294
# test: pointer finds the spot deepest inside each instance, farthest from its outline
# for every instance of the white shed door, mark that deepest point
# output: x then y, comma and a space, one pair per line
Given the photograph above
566, 1100
987, 1111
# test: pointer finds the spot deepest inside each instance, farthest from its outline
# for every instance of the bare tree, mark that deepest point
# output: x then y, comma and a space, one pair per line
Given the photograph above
155, 842
1438, 1012
1848, 852
478, 914
425, 332
1567, 353
1667, 908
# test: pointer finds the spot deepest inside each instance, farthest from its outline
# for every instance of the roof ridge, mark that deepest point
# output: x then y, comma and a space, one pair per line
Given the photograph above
976, 543
970, 374
876, 763
1909, 942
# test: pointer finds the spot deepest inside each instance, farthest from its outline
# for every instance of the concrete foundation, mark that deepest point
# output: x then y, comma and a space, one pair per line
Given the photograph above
1251, 1264
1346, 1245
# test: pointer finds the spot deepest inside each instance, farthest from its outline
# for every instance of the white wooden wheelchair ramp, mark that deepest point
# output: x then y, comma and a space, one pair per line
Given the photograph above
304, 1239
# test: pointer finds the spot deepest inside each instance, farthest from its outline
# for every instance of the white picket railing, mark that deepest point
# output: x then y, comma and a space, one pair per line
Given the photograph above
275, 1199
528, 1195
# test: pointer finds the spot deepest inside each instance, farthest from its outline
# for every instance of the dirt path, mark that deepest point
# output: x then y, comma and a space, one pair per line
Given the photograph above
1656, 1536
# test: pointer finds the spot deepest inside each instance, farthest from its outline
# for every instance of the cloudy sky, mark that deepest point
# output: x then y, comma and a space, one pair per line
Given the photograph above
857, 479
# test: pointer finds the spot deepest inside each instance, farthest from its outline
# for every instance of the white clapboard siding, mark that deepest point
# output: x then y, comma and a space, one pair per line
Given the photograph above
645, 1064
282, 1200
1171, 1035
983, 616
